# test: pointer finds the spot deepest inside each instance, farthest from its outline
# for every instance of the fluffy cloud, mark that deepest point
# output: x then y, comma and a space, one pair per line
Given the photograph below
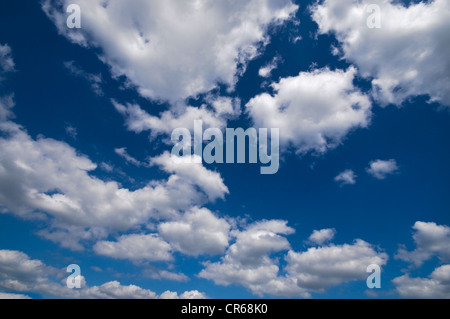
320, 268
198, 232
136, 247
437, 286
431, 240
321, 236
347, 177
381, 169
211, 183
248, 262
314, 110
19, 273
407, 56
176, 48
138, 120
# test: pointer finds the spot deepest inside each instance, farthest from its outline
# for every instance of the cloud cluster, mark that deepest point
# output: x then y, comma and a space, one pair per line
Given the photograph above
173, 49
46, 179
20, 273
431, 240
406, 57
249, 262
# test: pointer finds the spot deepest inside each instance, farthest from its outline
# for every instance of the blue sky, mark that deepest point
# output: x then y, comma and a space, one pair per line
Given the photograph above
85, 122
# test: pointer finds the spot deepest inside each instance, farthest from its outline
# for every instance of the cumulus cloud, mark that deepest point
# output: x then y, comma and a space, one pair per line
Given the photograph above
20, 273
430, 240
322, 236
381, 169
347, 177
406, 57
47, 179
437, 286
248, 263
320, 268
198, 232
136, 247
138, 120
174, 49
211, 183
314, 110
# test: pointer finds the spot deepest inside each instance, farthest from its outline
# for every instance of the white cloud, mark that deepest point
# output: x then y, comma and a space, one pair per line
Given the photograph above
437, 286
175, 48
431, 240
13, 296
347, 177
314, 110
266, 70
19, 273
322, 236
247, 262
198, 232
138, 120
320, 268
381, 169
94, 80
136, 247
48, 179
407, 56
211, 183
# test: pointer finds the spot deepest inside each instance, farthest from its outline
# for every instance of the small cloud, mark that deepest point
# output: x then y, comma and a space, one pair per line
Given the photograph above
266, 70
381, 169
72, 132
347, 177
122, 152
322, 236
95, 80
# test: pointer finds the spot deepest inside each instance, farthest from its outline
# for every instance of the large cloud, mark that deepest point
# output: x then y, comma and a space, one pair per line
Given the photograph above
20, 273
320, 268
175, 48
314, 110
407, 56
